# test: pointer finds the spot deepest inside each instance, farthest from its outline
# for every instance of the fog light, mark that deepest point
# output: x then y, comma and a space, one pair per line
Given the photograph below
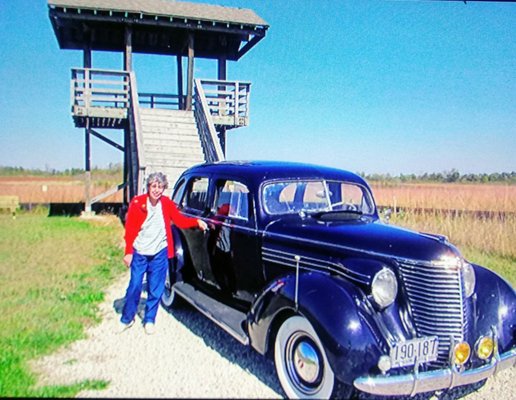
461, 353
384, 364
485, 346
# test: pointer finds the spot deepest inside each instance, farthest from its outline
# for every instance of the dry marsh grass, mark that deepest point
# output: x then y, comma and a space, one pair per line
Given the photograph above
450, 196
488, 241
55, 189
490, 235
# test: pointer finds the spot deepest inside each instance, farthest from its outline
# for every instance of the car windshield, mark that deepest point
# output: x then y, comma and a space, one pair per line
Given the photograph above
283, 197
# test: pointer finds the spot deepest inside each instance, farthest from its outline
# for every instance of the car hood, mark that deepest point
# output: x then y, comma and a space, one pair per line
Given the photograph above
363, 235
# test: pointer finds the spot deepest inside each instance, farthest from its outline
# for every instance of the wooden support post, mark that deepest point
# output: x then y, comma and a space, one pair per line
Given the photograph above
222, 139
128, 53
87, 168
87, 149
180, 81
129, 142
191, 55
222, 76
222, 68
127, 197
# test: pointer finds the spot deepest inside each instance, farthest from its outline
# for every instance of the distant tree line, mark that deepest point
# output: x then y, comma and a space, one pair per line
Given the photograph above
452, 176
447, 176
112, 168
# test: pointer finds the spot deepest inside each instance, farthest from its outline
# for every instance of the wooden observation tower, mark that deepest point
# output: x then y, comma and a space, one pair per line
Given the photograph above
165, 132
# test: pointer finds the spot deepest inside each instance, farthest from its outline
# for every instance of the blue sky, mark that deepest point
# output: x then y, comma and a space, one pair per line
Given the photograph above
373, 86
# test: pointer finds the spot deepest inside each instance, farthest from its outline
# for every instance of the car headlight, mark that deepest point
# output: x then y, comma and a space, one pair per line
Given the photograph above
384, 287
468, 275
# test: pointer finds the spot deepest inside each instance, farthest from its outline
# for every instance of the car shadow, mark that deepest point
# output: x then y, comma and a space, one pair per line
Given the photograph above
228, 347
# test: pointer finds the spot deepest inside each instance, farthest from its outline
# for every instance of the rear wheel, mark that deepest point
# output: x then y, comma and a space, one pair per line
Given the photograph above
301, 363
170, 299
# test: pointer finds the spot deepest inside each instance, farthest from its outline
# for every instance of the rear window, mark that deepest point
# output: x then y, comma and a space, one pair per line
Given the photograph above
197, 196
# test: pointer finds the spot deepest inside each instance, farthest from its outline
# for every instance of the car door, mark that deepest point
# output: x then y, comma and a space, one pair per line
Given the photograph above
234, 242
195, 202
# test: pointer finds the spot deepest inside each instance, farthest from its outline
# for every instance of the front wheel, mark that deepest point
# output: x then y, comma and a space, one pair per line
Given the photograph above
301, 363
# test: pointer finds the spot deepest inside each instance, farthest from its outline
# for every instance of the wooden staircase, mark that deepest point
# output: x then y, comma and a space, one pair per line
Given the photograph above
171, 142
156, 139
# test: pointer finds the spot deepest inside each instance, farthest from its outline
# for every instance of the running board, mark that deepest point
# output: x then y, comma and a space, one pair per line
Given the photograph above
227, 318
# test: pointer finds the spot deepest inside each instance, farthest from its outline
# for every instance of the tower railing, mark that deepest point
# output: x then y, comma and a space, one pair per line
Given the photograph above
227, 101
205, 126
101, 95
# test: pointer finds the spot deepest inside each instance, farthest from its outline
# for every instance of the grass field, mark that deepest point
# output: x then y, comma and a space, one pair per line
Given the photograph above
52, 273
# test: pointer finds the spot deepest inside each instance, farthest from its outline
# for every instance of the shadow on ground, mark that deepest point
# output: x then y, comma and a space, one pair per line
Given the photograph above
217, 339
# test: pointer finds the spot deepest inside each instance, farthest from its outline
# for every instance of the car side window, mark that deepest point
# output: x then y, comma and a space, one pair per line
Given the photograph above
178, 192
232, 200
197, 196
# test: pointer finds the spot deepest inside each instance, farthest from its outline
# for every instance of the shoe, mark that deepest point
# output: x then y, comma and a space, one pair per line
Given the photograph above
150, 328
122, 326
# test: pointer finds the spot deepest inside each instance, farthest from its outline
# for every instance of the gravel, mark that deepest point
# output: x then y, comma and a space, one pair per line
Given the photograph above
188, 357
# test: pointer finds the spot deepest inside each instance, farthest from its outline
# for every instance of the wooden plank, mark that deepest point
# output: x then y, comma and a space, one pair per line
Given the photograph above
92, 90
105, 112
92, 82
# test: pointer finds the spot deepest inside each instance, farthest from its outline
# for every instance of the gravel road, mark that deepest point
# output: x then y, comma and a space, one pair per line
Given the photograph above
189, 356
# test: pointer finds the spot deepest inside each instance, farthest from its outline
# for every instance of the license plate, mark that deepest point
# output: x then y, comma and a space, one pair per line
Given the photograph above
419, 350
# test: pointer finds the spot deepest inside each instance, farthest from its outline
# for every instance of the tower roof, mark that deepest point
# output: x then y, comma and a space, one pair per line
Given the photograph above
159, 26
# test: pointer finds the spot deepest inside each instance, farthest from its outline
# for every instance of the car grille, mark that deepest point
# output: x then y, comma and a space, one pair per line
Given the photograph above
437, 303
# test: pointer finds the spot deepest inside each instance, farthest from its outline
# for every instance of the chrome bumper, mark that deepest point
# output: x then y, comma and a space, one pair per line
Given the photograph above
429, 381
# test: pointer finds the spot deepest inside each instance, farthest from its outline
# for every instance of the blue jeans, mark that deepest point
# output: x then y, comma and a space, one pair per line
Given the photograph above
156, 268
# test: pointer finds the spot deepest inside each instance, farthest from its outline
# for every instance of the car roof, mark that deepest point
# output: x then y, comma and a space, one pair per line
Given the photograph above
259, 171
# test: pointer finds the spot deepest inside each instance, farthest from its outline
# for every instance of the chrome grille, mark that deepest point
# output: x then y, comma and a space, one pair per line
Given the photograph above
437, 304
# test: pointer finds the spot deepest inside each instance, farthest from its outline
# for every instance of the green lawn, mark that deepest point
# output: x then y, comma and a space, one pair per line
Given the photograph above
52, 273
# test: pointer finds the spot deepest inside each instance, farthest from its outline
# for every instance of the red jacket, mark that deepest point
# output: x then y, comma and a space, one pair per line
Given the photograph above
138, 212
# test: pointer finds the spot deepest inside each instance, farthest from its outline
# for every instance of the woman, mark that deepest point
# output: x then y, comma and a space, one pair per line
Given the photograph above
148, 246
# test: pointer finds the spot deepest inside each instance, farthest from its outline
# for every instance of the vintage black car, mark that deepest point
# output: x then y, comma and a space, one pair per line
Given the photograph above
298, 265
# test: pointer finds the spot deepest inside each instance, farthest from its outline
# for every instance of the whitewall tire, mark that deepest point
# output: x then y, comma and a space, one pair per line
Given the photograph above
301, 363
169, 298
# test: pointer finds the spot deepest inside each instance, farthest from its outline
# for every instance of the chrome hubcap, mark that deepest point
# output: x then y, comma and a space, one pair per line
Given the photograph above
306, 362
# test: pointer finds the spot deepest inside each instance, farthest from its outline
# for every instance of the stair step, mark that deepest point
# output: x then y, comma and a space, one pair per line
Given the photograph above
156, 139
179, 117
158, 133
174, 163
153, 157
166, 146
166, 117
163, 111
172, 125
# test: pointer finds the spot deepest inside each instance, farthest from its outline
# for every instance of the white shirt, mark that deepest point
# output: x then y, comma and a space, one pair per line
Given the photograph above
152, 236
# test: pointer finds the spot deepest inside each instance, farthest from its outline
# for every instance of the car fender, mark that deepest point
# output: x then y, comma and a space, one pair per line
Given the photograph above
495, 307
334, 307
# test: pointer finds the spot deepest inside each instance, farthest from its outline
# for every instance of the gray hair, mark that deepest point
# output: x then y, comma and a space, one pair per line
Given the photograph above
159, 177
